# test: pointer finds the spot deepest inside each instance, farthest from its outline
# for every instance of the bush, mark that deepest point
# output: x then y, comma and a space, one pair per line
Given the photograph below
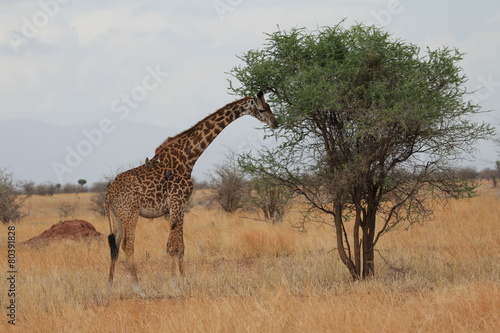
45, 189
272, 199
229, 184
10, 202
99, 196
67, 209
467, 173
28, 187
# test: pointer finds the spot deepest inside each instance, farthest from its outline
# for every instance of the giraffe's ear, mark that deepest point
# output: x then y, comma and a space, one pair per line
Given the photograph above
260, 94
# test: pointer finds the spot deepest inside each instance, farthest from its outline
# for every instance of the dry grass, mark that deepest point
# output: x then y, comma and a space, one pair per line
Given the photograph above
245, 275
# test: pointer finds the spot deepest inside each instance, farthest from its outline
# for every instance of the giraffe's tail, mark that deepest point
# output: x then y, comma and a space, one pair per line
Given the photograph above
112, 246
111, 238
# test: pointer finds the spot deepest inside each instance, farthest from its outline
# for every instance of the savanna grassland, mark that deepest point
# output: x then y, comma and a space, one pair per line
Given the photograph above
245, 275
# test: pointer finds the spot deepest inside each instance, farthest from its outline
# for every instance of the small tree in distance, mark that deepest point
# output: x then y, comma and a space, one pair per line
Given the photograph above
229, 183
272, 198
362, 116
82, 182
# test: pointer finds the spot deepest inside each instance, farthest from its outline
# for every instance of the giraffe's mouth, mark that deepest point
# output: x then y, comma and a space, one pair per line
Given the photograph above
273, 123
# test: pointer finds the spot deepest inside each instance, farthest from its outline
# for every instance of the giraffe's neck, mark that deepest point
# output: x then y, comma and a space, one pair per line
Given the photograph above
190, 144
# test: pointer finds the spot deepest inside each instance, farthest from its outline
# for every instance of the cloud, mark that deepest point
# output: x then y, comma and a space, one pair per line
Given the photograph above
494, 19
90, 53
128, 28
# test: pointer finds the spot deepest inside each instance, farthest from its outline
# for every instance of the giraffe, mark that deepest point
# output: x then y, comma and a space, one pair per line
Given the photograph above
163, 185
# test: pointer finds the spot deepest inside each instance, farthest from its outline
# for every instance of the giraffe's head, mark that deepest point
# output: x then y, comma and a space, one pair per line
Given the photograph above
256, 106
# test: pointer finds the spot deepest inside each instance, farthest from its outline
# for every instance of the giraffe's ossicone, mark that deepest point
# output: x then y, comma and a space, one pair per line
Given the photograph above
163, 184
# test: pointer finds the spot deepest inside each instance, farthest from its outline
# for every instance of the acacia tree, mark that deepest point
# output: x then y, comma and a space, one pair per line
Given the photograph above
362, 116
82, 182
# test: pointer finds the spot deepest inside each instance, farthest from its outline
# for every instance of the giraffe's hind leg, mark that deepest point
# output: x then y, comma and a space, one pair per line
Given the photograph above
114, 241
123, 233
128, 249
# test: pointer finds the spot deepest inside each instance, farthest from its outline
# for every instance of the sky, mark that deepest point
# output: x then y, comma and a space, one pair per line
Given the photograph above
114, 78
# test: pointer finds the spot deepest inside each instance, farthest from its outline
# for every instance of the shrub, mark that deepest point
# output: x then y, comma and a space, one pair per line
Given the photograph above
10, 202
229, 183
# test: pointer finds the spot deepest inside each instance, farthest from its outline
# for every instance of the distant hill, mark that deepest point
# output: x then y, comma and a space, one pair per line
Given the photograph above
30, 149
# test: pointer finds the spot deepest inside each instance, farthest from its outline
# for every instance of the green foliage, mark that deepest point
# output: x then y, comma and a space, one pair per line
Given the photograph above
358, 102
362, 115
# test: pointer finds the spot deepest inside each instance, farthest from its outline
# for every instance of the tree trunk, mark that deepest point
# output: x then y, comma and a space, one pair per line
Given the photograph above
368, 246
356, 241
340, 243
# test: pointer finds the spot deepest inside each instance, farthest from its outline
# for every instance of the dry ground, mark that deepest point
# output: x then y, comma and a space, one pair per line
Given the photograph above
245, 275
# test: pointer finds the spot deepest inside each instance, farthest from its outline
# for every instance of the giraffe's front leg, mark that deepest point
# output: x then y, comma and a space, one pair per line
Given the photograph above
180, 191
175, 244
175, 249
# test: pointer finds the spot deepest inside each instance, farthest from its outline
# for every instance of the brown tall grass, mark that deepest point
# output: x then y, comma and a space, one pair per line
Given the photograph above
247, 275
